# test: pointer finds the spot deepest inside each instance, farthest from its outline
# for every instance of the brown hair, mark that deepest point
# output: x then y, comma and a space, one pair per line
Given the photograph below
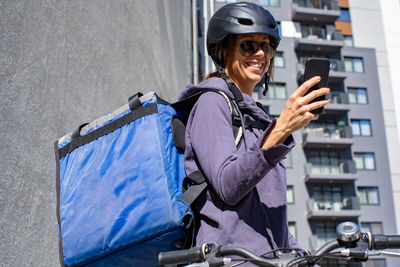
227, 48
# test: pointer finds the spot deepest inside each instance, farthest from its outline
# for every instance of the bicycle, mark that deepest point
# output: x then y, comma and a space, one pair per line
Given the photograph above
358, 247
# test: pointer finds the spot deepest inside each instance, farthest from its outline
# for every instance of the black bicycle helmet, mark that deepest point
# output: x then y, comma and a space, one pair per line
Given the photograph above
239, 18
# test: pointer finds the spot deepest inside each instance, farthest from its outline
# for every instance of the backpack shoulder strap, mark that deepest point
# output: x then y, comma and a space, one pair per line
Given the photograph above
195, 182
184, 106
236, 119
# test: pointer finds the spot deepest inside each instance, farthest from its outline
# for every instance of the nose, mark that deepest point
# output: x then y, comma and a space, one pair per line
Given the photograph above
260, 52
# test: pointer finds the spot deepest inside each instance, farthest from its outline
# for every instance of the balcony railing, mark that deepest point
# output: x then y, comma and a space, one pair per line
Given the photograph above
331, 132
345, 166
319, 34
336, 73
345, 208
324, 136
344, 171
339, 98
325, 11
336, 65
318, 4
312, 38
346, 203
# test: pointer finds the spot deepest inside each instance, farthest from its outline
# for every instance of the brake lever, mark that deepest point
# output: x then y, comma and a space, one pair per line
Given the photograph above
392, 254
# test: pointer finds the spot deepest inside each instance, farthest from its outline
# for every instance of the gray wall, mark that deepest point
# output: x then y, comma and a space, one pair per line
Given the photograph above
63, 63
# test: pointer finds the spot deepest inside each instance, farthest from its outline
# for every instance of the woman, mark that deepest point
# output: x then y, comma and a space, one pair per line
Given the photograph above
245, 202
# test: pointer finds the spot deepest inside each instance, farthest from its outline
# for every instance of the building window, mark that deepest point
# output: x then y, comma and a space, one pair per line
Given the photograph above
292, 229
368, 195
375, 263
361, 127
327, 197
357, 95
290, 194
325, 232
353, 64
364, 161
324, 162
344, 15
279, 60
372, 227
272, 3
288, 160
313, 32
309, 3
348, 40
276, 91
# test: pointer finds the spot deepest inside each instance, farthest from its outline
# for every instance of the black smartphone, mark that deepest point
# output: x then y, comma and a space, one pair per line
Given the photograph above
317, 67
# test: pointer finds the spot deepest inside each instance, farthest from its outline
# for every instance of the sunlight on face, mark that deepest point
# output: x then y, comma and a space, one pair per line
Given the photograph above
247, 71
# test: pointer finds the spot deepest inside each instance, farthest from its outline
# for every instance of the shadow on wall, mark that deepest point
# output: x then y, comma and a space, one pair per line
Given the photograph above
63, 63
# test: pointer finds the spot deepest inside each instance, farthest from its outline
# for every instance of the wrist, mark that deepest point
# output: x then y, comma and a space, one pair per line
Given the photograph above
277, 135
281, 130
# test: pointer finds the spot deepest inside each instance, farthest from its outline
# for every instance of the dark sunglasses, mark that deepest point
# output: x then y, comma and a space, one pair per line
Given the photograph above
248, 48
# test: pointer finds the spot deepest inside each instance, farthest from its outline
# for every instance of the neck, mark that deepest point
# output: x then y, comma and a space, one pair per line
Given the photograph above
245, 88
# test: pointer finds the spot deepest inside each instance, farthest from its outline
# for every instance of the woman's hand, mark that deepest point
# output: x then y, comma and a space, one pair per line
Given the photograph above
296, 113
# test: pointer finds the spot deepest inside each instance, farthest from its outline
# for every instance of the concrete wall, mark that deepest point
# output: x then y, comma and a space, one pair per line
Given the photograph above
63, 63
391, 24
369, 30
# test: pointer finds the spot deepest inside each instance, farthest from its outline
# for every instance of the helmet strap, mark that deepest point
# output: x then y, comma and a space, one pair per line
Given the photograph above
220, 70
222, 61
266, 81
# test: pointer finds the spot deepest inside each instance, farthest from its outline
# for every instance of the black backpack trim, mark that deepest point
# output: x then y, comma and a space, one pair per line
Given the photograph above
78, 140
195, 183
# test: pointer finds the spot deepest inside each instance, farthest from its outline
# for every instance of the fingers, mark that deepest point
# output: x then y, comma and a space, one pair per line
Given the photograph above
304, 101
316, 93
315, 117
304, 87
318, 104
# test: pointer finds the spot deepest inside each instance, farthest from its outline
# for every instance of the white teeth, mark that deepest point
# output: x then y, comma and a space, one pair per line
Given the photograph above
256, 65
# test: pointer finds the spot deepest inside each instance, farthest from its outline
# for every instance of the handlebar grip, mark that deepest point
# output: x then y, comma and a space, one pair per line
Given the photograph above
385, 241
181, 256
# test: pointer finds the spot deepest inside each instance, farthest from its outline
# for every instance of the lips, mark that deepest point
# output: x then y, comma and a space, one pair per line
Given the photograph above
256, 65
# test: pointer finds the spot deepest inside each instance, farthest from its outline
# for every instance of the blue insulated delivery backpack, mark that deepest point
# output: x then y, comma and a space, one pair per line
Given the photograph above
120, 182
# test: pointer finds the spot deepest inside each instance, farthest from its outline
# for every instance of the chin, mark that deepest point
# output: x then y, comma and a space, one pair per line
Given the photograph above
256, 78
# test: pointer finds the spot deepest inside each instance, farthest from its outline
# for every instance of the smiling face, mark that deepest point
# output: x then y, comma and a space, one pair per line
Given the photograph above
247, 71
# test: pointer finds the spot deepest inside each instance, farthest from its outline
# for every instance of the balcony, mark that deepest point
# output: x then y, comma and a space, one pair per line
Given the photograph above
345, 171
339, 102
336, 72
315, 40
327, 137
348, 207
325, 11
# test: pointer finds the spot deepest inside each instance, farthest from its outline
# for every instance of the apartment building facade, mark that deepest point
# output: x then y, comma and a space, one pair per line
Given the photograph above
339, 169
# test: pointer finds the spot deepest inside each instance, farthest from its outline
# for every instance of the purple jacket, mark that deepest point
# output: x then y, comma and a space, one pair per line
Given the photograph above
245, 202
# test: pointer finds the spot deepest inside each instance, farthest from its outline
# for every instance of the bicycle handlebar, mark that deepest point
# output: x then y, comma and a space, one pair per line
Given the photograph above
384, 242
186, 256
357, 246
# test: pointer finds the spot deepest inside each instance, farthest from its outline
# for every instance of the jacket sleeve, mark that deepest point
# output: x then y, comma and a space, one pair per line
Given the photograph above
231, 174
